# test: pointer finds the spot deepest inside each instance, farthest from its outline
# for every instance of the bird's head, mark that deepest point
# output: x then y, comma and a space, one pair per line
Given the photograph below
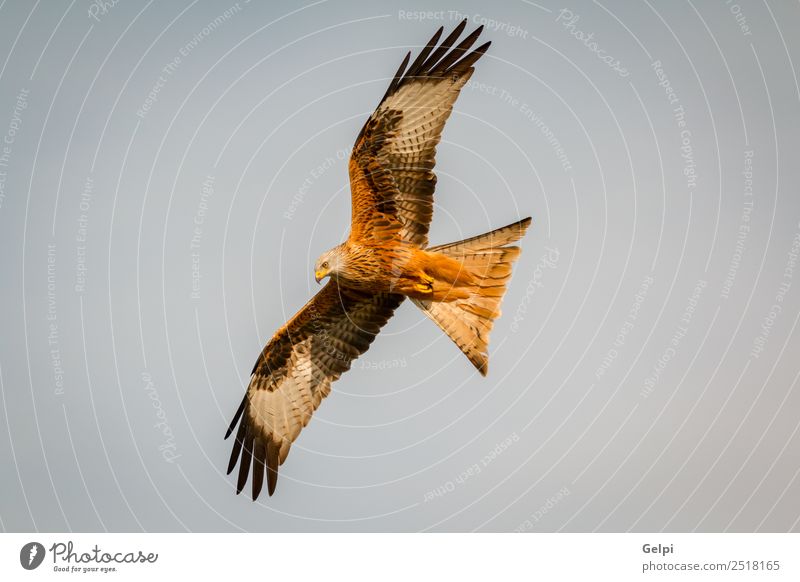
328, 264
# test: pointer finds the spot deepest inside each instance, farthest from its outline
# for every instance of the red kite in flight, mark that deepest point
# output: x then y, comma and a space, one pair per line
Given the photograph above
385, 259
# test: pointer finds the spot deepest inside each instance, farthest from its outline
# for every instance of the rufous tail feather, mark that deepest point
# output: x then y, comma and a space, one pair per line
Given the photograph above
468, 321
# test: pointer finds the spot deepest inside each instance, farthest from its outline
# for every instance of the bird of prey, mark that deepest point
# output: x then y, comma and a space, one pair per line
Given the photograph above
385, 259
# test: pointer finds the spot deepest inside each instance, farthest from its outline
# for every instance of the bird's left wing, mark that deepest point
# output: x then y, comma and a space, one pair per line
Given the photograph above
294, 373
391, 167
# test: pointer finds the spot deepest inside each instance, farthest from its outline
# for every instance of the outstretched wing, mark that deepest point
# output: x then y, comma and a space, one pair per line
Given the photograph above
391, 167
294, 373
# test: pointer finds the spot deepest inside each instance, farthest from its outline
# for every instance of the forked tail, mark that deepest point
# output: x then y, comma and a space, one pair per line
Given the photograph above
489, 258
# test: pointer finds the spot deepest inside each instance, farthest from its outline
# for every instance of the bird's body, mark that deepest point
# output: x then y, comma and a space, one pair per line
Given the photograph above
385, 260
402, 268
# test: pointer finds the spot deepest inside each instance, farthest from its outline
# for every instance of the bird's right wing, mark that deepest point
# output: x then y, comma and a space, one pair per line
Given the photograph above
294, 373
391, 167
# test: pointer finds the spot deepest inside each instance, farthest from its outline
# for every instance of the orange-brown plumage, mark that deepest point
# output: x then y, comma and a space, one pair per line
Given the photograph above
385, 259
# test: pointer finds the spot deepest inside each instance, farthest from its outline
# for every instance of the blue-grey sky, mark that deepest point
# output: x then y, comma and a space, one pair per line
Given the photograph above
170, 171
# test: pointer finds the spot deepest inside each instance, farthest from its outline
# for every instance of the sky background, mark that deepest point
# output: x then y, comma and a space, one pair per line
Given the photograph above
170, 171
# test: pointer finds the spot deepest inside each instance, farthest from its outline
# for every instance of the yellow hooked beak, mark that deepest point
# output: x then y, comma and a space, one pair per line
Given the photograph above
320, 275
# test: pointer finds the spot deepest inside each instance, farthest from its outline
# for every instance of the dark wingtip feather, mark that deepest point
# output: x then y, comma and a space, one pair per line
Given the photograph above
422, 57
464, 64
457, 52
401, 69
272, 466
244, 466
259, 456
237, 447
431, 61
236, 417
435, 38
440, 60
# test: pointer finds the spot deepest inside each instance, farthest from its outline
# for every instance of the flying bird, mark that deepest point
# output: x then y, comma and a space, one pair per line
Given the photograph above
385, 259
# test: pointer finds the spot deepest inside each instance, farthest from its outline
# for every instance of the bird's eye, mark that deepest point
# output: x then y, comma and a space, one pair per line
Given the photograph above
325, 265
